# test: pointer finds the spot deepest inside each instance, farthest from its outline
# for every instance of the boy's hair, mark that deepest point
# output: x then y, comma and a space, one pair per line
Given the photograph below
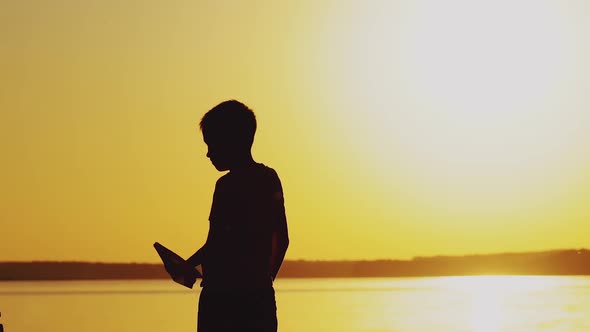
232, 121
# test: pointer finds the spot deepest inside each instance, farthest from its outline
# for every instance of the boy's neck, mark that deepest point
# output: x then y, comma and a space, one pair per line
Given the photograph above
243, 163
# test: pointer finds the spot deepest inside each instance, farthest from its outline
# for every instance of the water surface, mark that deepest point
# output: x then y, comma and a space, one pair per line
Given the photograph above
453, 304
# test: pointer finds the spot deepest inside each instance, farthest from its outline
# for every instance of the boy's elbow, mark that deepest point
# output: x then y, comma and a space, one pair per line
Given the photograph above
281, 240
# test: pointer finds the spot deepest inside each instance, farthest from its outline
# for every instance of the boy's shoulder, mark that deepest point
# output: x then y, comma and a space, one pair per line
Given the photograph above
258, 173
268, 173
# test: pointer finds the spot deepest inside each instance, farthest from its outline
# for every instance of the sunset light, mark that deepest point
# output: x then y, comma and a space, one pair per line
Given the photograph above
398, 128
301, 165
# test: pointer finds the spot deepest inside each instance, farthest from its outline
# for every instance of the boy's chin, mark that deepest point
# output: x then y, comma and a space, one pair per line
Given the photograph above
221, 168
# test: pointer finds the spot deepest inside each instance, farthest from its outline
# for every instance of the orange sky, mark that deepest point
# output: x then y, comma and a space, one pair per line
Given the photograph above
399, 128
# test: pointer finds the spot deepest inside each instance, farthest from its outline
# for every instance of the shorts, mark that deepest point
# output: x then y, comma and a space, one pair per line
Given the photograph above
252, 310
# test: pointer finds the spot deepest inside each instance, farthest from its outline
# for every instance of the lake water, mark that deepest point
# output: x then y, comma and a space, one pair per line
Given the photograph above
453, 304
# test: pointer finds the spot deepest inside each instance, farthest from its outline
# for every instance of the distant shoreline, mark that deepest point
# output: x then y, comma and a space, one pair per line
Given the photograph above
555, 262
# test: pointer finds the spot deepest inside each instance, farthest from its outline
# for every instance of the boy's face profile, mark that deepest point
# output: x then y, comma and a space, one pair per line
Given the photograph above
221, 152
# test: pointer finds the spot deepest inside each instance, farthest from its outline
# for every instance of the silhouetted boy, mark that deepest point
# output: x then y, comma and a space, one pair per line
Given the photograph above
248, 237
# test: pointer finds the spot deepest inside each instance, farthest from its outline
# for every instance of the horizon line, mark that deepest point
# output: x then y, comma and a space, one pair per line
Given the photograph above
318, 260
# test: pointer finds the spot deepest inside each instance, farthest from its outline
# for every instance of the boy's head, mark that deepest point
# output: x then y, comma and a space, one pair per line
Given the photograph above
228, 130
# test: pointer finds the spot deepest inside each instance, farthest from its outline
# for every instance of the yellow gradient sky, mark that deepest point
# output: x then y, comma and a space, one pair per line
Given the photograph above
399, 128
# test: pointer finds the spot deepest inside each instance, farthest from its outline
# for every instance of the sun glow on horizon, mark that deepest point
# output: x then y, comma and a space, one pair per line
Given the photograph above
463, 102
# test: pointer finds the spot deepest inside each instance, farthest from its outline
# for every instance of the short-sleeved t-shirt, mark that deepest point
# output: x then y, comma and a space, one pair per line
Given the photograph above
247, 207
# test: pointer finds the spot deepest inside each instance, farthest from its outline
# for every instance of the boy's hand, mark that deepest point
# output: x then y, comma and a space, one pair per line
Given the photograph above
183, 269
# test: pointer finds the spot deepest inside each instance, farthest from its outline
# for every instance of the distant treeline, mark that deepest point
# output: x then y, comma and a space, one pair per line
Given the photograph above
558, 262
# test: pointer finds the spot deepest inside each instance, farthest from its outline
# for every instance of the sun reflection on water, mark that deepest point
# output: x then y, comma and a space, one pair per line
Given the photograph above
491, 303
495, 302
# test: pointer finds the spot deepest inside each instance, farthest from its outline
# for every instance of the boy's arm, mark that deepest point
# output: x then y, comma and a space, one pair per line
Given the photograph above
280, 243
197, 257
280, 235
